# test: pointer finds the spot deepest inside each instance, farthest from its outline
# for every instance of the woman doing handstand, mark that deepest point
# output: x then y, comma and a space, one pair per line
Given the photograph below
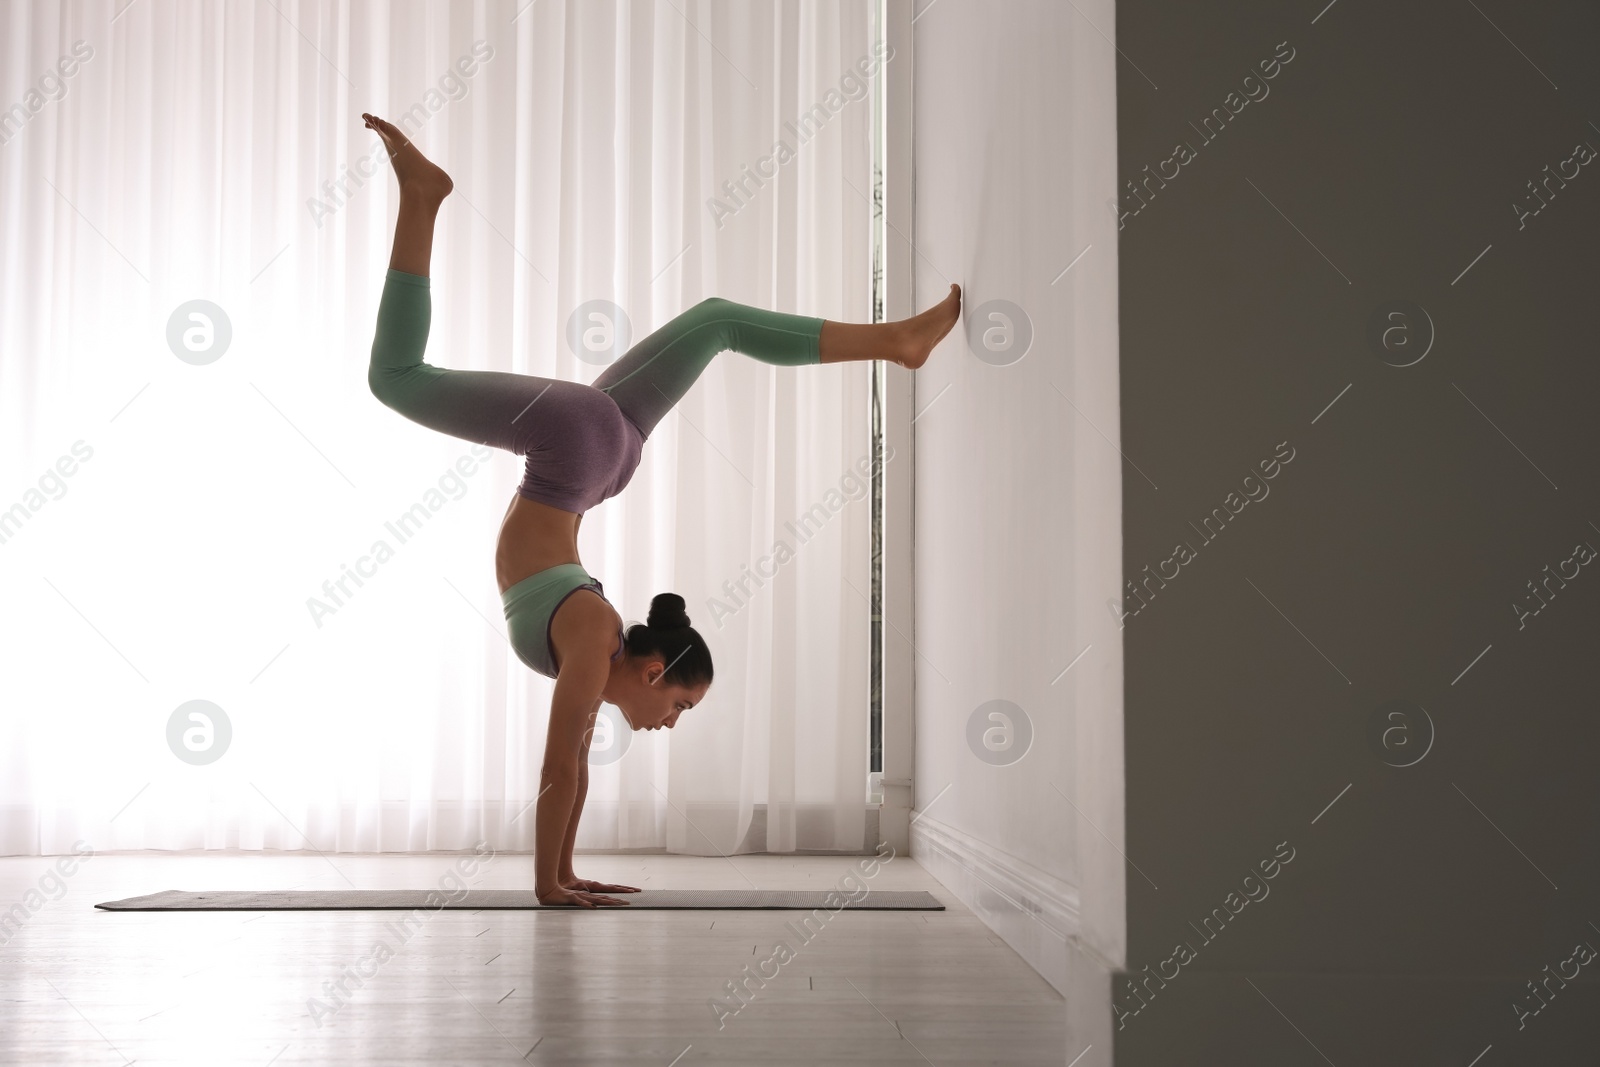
581, 444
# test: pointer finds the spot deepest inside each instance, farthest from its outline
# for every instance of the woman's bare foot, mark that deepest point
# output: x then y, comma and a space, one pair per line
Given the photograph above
922, 332
418, 175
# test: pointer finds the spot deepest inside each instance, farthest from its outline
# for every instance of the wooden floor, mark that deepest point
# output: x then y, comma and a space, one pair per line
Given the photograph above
79, 985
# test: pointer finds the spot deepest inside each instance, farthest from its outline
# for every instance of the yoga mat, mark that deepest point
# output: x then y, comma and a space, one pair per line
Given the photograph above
507, 899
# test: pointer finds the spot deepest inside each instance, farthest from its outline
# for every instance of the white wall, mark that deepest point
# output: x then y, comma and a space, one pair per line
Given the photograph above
1017, 479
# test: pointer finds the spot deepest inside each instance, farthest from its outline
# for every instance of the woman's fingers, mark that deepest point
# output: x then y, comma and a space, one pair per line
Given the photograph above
589, 885
579, 897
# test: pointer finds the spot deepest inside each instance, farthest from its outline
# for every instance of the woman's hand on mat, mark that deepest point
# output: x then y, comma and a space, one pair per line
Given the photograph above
589, 885
577, 898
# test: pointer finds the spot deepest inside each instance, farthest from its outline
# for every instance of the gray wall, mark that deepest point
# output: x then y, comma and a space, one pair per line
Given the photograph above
1384, 557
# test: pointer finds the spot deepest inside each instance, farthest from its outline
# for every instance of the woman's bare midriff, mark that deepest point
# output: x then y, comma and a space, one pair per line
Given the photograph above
534, 537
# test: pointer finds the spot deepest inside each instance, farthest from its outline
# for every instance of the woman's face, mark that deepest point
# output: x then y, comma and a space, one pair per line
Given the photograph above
648, 703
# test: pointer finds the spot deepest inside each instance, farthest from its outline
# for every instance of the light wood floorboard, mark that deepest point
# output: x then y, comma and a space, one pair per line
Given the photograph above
551, 988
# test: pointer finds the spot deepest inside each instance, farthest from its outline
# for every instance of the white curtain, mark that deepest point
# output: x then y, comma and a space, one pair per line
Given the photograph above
179, 525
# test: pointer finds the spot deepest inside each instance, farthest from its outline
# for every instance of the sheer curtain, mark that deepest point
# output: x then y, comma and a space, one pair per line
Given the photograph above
248, 607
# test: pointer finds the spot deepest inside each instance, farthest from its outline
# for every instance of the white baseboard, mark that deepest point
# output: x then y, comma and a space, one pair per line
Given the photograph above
1032, 911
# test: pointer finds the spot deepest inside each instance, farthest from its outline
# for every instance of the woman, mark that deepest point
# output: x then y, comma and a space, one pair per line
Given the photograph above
582, 443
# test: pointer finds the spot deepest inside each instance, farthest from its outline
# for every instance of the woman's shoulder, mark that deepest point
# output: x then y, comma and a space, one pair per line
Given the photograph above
586, 618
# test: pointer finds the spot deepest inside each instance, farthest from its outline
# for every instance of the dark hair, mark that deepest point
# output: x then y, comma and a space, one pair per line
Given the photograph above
667, 633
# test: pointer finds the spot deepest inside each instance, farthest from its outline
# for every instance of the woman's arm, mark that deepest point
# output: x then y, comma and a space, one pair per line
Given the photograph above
583, 674
569, 878
566, 876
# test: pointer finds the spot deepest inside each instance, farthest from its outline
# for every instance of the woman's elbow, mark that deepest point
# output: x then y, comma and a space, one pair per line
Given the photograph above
560, 773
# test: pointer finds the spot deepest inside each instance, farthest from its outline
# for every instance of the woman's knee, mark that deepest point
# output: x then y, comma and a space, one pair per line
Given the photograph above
388, 384
717, 315
378, 383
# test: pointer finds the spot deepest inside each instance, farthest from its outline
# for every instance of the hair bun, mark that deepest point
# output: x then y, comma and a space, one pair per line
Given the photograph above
667, 612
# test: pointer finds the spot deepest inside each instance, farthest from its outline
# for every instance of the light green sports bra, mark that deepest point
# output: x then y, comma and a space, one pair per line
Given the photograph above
532, 603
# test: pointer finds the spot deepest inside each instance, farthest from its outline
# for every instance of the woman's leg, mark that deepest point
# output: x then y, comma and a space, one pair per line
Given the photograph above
655, 374
906, 341
490, 407
423, 187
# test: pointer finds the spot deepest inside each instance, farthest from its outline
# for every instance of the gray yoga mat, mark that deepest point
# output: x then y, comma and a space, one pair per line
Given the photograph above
504, 899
